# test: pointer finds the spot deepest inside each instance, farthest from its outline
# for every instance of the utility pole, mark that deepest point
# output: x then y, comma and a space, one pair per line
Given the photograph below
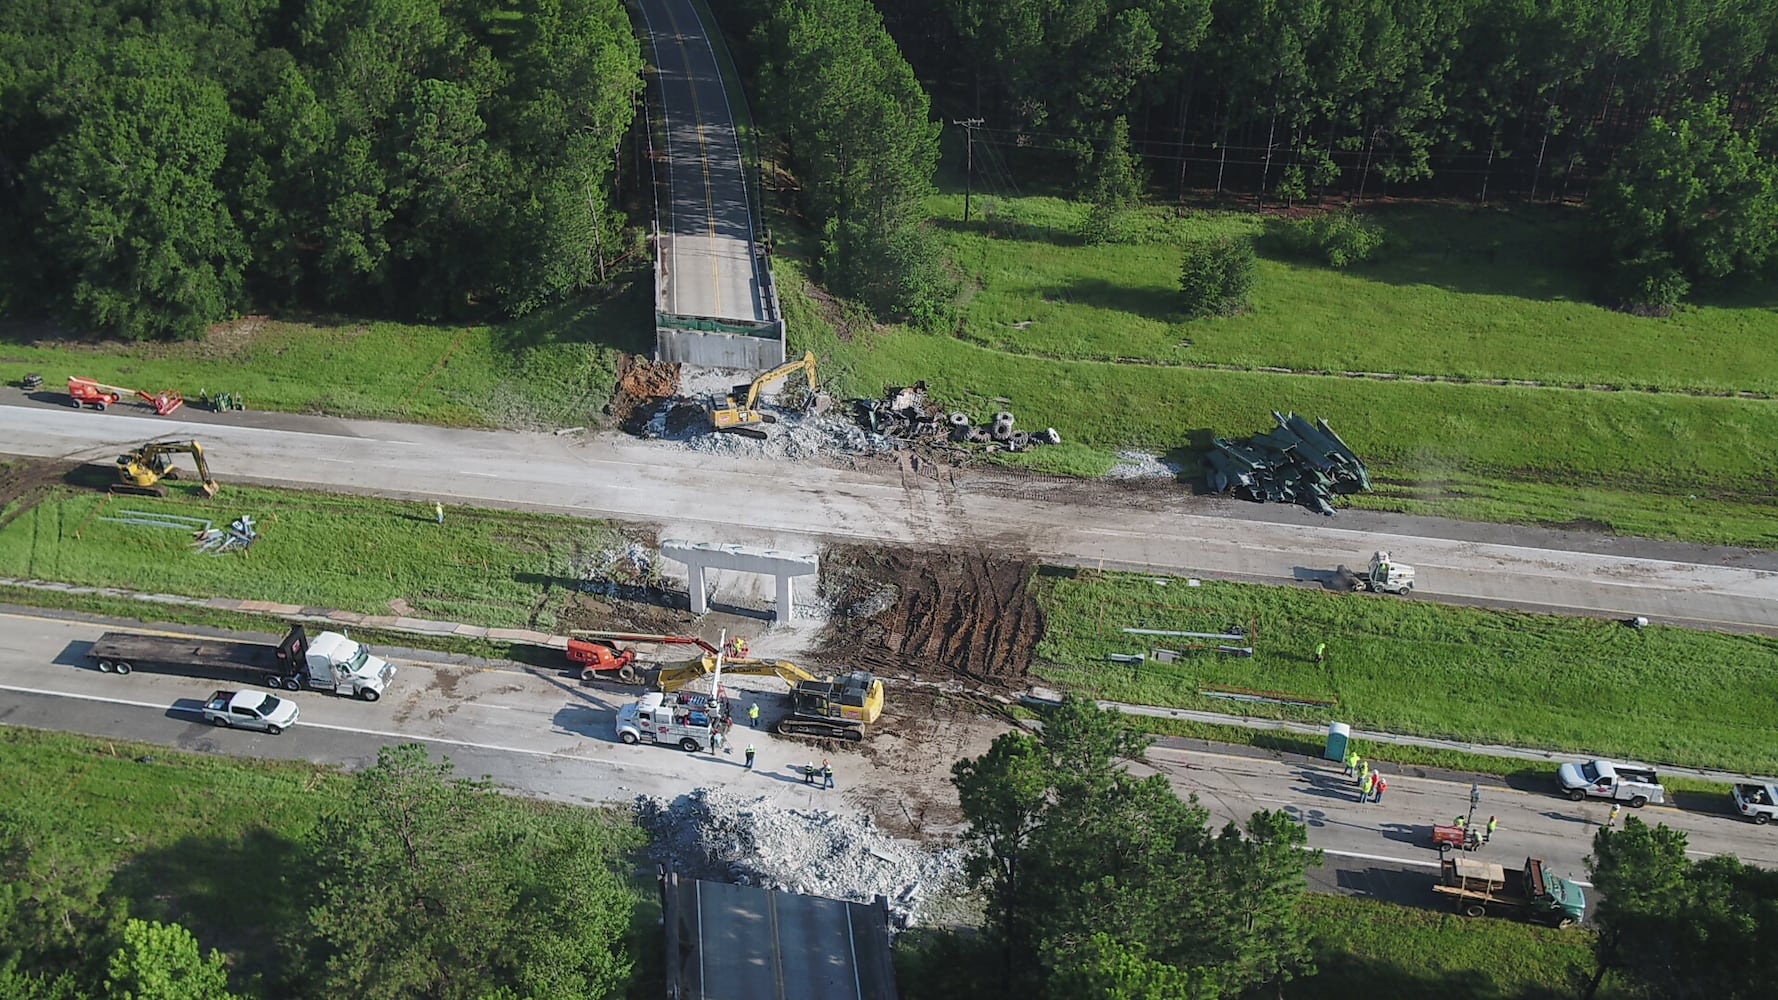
969, 127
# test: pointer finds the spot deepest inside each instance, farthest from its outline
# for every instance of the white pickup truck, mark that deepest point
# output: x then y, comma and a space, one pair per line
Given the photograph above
1636, 784
251, 710
1756, 802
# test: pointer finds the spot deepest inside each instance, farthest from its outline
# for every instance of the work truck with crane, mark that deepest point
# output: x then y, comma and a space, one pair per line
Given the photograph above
329, 662
689, 721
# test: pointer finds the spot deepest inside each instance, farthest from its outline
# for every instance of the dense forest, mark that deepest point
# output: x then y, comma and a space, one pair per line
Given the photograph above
165, 163
1287, 98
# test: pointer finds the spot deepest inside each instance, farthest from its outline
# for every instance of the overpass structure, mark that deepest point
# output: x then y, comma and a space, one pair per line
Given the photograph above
715, 301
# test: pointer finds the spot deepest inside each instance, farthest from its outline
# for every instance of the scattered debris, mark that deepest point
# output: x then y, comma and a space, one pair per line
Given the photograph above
239, 537
222, 401
31, 382
150, 519
1141, 465
631, 573
909, 414
1293, 463
721, 835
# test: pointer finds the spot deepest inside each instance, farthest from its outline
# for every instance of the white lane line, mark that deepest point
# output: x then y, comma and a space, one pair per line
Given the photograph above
388, 734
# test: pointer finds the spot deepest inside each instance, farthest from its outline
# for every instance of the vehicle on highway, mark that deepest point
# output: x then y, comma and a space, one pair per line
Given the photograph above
251, 710
690, 721
1636, 784
330, 661
1756, 802
1529, 893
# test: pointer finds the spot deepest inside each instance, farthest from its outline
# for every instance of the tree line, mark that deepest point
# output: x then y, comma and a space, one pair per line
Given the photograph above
164, 165
1294, 98
419, 884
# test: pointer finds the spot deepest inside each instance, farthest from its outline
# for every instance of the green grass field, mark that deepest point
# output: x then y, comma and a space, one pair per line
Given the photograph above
1667, 695
1454, 292
157, 824
481, 567
1366, 949
553, 368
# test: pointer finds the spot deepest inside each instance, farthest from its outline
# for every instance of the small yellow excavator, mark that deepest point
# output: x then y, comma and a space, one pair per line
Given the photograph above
838, 707
141, 471
744, 417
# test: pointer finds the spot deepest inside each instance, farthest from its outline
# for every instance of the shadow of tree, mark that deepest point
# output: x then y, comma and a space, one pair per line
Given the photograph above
240, 896
1342, 975
1147, 301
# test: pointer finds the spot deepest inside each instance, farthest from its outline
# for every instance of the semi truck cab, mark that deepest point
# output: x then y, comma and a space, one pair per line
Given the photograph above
336, 663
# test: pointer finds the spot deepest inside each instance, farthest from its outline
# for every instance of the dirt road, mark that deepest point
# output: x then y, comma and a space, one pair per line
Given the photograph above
791, 505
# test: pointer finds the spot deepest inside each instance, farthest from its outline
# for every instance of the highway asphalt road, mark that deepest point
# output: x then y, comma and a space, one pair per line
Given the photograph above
708, 233
547, 735
796, 505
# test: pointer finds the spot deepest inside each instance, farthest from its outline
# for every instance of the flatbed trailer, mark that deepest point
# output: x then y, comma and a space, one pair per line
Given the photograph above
224, 659
1530, 893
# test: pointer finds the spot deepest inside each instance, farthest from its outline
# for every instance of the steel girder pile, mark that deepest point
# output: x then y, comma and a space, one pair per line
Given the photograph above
1293, 463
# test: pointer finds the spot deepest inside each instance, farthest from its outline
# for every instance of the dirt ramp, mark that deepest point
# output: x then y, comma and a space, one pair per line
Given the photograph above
912, 611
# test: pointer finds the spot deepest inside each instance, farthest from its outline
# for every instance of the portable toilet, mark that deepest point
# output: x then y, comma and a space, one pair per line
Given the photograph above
1339, 737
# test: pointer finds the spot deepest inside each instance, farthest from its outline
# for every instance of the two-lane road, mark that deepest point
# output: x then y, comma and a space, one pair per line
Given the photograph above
708, 238
796, 506
546, 735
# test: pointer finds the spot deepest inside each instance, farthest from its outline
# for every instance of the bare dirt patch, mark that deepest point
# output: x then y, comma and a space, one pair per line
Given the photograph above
936, 613
641, 387
25, 482
911, 750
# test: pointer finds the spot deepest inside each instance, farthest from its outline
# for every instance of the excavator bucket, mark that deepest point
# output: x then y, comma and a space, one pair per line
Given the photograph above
210, 487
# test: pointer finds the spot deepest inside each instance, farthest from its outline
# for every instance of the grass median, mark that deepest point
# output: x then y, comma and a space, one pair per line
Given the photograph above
375, 557
1667, 695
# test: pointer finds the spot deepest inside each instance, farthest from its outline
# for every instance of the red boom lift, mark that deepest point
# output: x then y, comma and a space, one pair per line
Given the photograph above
599, 653
98, 395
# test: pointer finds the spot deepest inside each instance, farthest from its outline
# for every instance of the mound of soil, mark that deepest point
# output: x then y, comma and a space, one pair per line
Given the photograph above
25, 482
641, 385
907, 611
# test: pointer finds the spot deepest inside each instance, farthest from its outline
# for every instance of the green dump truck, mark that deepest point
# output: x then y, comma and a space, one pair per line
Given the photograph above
1529, 893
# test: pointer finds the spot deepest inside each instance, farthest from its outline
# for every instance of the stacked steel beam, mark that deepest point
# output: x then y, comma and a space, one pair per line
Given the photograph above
1296, 462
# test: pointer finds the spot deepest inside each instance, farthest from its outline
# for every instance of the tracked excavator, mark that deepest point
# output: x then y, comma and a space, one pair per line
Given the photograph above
743, 416
141, 471
837, 707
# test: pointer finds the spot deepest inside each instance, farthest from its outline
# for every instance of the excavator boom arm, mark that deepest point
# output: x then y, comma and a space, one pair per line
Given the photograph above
805, 364
674, 678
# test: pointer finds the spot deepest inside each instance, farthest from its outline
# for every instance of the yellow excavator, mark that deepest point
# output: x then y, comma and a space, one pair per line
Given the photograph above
744, 417
837, 707
142, 470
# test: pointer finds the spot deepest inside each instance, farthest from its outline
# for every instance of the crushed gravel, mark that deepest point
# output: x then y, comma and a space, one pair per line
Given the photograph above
720, 835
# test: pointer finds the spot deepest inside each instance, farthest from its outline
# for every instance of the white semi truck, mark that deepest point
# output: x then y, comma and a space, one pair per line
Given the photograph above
330, 661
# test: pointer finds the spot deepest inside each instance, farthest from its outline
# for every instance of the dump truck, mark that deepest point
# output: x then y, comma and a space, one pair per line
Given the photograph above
688, 721
1530, 893
1636, 784
330, 661
1756, 802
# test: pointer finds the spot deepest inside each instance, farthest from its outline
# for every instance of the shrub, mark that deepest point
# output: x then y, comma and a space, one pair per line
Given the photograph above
1216, 276
1338, 239
1652, 287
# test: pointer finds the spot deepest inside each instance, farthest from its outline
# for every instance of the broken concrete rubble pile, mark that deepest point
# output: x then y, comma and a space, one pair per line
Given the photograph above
717, 834
1292, 463
909, 414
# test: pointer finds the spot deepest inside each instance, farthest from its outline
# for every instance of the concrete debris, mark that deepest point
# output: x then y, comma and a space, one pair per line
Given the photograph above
908, 413
1293, 463
1141, 465
631, 573
722, 835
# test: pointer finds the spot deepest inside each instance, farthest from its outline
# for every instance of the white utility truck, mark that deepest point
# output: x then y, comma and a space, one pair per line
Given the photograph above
689, 721
1636, 784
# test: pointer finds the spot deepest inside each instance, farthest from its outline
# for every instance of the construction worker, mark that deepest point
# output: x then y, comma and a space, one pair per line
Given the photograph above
716, 740
753, 715
737, 648
749, 752
1459, 824
438, 508
1381, 787
826, 774
1493, 824
1364, 790
1351, 762
1612, 819
808, 773
1320, 652
1364, 771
